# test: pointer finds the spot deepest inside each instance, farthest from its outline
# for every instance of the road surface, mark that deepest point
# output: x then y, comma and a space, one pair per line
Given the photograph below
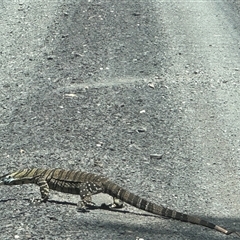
101, 86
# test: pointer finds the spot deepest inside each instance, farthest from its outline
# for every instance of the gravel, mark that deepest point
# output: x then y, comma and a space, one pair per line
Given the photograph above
144, 92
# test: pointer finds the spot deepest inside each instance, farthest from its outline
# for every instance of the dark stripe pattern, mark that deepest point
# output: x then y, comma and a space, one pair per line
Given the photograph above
116, 191
87, 184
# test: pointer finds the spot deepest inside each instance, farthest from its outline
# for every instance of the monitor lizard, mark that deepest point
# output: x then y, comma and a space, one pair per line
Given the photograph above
87, 184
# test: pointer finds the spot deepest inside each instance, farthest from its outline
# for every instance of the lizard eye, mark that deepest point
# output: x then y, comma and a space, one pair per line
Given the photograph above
7, 179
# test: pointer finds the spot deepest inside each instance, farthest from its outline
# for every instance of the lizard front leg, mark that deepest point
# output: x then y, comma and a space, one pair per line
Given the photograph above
44, 188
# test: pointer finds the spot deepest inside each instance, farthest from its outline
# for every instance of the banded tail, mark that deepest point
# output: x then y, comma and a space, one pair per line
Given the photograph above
87, 184
116, 191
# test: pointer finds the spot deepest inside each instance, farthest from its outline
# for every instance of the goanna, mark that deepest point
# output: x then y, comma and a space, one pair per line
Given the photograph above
87, 184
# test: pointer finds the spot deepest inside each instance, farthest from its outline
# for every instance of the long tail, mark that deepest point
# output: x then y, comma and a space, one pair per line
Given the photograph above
116, 191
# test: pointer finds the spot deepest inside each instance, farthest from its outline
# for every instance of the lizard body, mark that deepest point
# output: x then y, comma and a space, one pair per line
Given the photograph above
87, 184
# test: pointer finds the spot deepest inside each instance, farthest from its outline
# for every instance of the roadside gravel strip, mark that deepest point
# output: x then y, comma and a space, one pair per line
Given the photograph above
145, 92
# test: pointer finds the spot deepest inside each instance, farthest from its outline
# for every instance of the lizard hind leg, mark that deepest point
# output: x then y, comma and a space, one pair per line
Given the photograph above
86, 190
117, 203
85, 202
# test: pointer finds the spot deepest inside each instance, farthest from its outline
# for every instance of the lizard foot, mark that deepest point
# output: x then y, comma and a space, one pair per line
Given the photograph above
35, 201
82, 206
117, 203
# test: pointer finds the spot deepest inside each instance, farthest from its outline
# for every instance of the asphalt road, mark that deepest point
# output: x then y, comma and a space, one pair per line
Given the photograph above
102, 85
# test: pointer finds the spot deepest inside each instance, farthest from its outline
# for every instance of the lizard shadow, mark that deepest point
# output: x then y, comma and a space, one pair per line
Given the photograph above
7, 200
103, 207
89, 208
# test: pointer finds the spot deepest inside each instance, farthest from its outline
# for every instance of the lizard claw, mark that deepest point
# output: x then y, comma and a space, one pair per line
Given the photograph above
35, 201
117, 203
82, 206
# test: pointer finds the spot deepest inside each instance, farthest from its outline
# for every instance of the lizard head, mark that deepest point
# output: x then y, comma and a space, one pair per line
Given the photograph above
10, 178
6, 179
18, 177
